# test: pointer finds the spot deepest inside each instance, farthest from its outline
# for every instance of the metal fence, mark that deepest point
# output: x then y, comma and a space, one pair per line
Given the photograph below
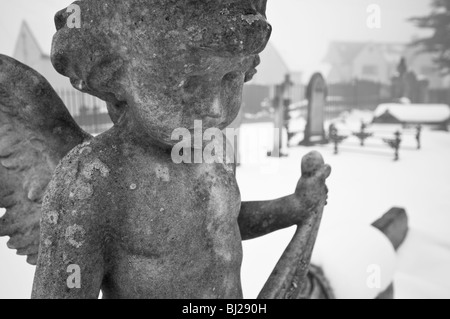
359, 95
439, 96
87, 110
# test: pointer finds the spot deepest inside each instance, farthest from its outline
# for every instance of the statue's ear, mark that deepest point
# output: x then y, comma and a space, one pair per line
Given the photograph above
116, 110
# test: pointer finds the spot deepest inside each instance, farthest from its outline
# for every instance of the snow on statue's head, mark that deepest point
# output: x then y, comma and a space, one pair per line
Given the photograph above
167, 62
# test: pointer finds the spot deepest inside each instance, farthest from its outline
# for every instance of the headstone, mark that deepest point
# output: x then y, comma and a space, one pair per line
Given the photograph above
316, 95
278, 119
281, 102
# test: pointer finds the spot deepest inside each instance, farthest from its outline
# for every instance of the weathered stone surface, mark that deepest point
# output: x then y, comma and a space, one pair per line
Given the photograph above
36, 132
119, 214
191, 57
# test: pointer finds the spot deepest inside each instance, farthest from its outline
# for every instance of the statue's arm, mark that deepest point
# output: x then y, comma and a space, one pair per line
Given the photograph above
263, 217
70, 264
71, 261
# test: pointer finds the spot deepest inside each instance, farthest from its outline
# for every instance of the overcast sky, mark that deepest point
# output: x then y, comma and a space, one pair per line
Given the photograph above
302, 28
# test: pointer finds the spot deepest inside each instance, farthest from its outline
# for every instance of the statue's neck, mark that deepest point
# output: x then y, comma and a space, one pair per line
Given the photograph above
132, 129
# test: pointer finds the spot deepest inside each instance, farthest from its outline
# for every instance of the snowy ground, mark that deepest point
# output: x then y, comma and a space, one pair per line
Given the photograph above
364, 184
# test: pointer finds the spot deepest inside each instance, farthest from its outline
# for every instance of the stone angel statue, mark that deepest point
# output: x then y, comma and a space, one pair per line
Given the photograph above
116, 206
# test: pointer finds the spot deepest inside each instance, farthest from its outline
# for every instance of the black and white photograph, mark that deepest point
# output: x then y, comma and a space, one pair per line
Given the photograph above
224, 150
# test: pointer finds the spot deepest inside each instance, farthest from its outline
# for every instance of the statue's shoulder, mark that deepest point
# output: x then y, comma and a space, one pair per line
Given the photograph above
82, 175
86, 159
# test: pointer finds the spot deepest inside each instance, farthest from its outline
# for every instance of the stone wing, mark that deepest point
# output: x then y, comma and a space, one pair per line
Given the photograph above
36, 132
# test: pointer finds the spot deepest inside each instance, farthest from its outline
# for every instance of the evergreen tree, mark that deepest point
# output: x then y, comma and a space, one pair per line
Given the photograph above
439, 42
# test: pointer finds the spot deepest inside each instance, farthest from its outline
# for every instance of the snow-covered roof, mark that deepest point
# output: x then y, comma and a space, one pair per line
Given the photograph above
415, 113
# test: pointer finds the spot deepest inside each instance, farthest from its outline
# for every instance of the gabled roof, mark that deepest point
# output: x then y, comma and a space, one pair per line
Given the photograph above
348, 51
272, 69
393, 52
26, 30
41, 31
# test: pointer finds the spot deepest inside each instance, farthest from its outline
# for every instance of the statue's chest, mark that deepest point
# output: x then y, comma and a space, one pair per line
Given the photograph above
185, 206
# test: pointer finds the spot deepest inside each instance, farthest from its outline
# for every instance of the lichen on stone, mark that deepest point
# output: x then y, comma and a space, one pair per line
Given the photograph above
52, 217
75, 235
162, 173
81, 191
89, 169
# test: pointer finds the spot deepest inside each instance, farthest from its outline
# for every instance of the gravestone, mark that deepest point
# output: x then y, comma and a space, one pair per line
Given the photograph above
316, 95
281, 102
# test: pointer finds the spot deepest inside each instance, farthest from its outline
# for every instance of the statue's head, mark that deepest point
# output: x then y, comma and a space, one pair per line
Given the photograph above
167, 62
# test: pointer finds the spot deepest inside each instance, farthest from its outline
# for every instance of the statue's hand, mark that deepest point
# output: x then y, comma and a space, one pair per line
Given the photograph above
311, 191
288, 280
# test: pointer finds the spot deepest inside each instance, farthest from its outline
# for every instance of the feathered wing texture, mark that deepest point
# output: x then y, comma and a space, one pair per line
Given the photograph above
36, 132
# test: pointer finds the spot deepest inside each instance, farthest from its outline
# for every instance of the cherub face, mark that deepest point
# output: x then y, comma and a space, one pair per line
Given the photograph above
166, 62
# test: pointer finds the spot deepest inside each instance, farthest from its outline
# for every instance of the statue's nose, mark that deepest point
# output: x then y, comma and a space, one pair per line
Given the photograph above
260, 6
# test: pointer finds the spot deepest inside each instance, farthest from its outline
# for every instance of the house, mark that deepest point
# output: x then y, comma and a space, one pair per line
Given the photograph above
271, 72
272, 69
30, 52
377, 62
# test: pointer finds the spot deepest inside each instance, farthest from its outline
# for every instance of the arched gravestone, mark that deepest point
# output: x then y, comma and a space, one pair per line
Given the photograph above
316, 94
